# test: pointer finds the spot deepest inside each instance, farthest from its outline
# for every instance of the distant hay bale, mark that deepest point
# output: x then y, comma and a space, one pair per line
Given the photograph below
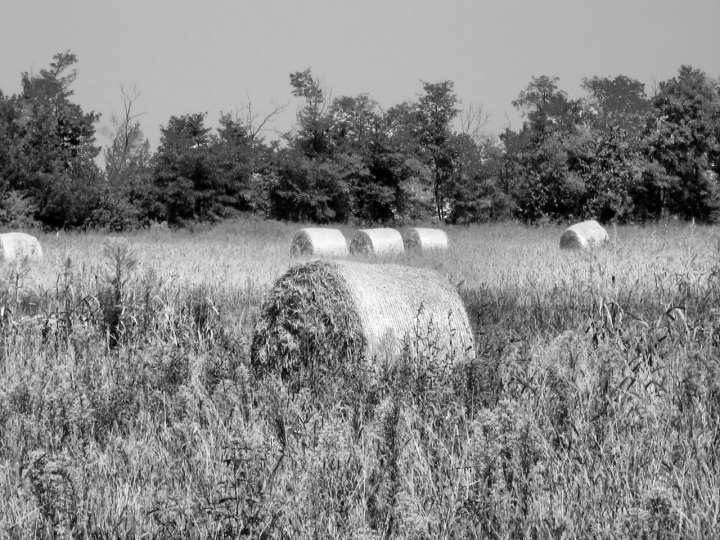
316, 241
331, 313
585, 235
425, 239
377, 242
162, 226
17, 246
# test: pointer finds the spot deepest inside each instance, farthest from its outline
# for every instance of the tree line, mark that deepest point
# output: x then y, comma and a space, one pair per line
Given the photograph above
616, 155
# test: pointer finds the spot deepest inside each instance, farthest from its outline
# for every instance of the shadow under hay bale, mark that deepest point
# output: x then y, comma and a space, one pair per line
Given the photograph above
18, 246
418, 239
585, 235
318, 241
333, 313
377, 242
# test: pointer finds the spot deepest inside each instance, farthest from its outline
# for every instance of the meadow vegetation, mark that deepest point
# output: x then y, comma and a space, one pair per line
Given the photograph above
129, 407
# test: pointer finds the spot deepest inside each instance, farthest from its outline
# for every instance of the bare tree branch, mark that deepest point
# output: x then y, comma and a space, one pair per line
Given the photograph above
509, 123
472, 120
129, 117
123, 136
245, 115
655, 86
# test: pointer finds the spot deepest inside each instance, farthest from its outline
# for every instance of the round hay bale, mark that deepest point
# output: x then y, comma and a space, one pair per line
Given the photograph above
162, 226
585, 235
317, 241
19, 246
424, 239
377, 242
332, 313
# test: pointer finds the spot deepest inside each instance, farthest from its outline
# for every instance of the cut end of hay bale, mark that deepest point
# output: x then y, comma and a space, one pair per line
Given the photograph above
338, 312
17, 246
377, 242
419, 239
585, 235
308, 317
318, 241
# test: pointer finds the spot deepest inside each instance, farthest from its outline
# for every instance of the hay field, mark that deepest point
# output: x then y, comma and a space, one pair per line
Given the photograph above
128, 406
237, 255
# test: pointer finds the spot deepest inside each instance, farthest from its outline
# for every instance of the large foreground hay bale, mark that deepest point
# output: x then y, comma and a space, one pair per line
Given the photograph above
332, 313
316, 241
17, 246
585, 235
377, 241
425, 239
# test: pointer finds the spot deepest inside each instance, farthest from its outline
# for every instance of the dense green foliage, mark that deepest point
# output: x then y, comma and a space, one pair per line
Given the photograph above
48, 173
616, 155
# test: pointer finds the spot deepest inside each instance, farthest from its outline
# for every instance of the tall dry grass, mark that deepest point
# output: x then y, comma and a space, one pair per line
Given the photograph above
128, 407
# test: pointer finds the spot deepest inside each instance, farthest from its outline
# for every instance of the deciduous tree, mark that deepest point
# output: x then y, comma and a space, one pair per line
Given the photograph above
617, 102
683, 139
53, 146
185, 175
436, 111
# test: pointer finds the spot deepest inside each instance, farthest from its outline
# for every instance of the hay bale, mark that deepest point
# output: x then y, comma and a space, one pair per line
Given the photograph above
377, 241
585, 235
425, 239
162, 226
19, 246
316, 241
331, 313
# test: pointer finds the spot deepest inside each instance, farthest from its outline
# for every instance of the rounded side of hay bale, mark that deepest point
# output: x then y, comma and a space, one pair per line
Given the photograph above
585, 235
377, 242
420, 239
399, 302
318, 241
330, 312
19, 246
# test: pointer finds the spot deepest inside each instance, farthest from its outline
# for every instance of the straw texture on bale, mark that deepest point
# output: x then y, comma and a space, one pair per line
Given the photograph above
19, 246
316, 241
337, 312
424, 239
585, 235
377, 241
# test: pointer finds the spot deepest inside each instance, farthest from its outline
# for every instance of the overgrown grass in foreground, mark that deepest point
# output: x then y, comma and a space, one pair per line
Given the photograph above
127, 406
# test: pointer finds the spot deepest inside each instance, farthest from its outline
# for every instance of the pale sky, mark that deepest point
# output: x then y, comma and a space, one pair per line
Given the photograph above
189, 57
